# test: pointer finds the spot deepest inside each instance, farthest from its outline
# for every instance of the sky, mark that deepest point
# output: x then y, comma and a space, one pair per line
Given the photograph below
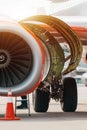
18, 9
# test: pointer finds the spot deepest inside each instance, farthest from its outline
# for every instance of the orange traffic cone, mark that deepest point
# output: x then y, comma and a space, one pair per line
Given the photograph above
10, 115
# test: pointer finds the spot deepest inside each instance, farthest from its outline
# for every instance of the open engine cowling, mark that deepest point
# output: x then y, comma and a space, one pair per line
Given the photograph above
21, 59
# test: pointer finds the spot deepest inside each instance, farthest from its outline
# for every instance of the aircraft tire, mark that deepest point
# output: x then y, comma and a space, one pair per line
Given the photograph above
69, 98
40, 100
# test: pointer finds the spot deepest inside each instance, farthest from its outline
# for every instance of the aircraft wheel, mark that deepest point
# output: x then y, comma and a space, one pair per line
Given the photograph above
69, 97
40, 100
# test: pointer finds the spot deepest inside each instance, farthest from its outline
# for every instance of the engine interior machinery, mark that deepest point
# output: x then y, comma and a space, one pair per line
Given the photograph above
33, 59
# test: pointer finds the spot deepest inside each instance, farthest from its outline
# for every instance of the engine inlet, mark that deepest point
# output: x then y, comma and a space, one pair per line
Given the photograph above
15, 59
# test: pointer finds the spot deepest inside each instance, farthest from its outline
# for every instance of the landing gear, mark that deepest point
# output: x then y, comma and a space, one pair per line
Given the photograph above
41, 100
64, 91
69, 97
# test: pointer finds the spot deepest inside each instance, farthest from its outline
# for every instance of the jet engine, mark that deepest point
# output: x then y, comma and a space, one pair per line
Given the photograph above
31, 53
21, 59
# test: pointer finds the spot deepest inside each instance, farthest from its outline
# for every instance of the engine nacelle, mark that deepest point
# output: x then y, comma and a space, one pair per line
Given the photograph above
21, 59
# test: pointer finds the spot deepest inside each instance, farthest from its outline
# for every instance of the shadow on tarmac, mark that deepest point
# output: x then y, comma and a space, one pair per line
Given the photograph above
54, 116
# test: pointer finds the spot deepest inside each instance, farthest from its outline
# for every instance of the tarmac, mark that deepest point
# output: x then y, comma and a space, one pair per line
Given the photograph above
53, 119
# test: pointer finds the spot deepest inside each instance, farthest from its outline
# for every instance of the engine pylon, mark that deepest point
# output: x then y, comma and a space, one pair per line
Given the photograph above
10, 115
